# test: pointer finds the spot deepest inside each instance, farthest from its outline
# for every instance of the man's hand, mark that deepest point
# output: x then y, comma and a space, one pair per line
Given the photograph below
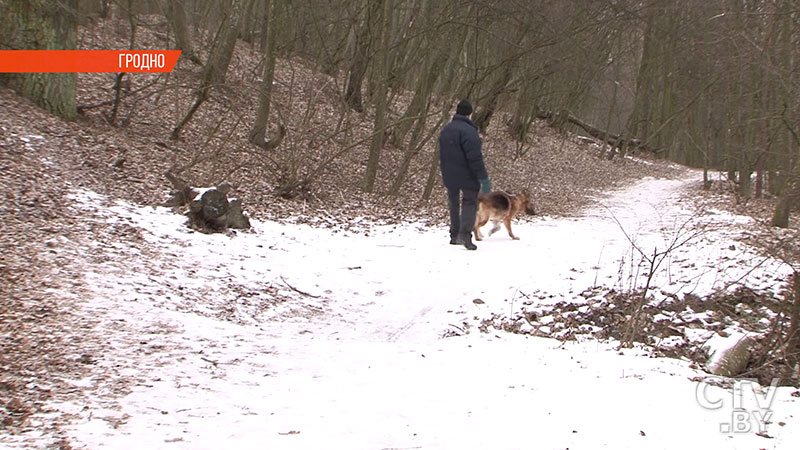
486, 186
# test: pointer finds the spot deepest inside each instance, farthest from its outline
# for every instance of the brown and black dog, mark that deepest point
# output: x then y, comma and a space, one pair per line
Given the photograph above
500, 206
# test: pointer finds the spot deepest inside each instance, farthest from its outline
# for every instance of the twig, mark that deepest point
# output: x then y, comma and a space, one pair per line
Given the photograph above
597, 266
513, 297
681, 237
298, 290
458, 328
209, 361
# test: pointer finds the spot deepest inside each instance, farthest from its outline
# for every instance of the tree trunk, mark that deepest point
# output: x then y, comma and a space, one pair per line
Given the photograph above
218, 60
200, 97
433, 170
419, 107
41, 25
646, 74
759, 189
89, 10
524, 114
419, 103
788, 198
259, 130
483, 116
219, 57
381, 100
780, 217
358, 67
745, 183
176, 15
416, 143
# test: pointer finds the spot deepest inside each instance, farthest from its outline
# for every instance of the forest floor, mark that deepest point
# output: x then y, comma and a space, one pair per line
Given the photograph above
346, 318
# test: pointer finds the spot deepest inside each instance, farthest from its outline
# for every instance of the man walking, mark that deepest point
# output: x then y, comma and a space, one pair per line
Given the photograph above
463, 173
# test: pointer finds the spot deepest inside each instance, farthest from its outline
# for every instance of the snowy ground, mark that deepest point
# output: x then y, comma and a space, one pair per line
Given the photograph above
291, 336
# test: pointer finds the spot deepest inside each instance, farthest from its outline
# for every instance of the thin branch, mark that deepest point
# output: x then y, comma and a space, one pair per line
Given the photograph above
298, 290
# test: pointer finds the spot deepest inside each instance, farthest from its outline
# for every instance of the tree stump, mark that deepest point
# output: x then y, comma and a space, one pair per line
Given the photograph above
210, 210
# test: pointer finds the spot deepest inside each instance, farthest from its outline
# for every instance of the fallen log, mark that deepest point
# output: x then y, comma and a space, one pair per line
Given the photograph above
210, 210
616, 141
733, 360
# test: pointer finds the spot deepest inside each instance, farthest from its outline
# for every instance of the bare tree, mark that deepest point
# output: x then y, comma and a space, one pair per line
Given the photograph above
222, 49
788, 198
381, 67
259, 129
218, 60
360, 59
176, 14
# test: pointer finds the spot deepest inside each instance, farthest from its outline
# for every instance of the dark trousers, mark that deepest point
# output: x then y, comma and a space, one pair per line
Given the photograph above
463, 208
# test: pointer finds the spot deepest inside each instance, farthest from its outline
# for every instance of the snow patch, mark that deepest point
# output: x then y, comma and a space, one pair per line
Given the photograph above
289, 336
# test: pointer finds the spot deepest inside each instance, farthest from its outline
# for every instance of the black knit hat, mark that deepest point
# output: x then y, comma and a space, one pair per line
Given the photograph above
464, 108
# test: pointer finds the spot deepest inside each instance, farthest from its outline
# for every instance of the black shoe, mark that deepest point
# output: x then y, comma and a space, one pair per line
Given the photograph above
456, 241
467, 241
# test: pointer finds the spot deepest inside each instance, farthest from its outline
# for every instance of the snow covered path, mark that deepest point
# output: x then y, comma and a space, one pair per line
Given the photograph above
295, 337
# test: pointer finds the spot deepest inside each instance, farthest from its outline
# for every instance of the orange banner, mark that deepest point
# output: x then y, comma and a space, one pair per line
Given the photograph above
62, 61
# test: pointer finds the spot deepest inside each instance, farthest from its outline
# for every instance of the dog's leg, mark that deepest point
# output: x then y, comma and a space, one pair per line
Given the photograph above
480, 221
477, 230
508, 227
495, 227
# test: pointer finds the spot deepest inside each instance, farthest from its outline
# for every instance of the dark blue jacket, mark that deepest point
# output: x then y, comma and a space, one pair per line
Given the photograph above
460, 155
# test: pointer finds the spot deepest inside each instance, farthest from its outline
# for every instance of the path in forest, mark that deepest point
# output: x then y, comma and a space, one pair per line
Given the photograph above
296, 337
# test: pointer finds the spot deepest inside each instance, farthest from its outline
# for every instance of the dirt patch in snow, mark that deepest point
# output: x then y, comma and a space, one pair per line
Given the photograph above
668, 326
